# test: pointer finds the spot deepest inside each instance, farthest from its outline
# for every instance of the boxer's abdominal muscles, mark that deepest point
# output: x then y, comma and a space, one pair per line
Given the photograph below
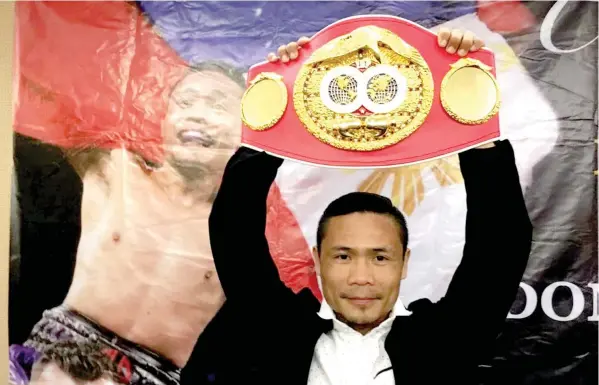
144, 266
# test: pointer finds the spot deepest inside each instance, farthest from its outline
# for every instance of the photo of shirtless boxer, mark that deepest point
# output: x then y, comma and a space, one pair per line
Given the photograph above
144, 282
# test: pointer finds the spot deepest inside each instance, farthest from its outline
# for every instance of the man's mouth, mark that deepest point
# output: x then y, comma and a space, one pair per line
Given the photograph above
198, 137
361, 301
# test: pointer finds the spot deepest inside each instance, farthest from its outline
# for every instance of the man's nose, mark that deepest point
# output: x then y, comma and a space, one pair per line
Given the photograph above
360, 272
203, 115
197, 120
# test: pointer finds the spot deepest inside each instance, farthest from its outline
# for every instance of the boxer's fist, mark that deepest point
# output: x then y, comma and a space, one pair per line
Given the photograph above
454, 41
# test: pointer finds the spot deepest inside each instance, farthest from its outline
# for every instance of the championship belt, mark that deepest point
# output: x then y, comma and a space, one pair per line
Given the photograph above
371, 91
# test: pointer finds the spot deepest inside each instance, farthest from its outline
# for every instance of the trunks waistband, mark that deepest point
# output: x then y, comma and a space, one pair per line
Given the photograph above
64, 323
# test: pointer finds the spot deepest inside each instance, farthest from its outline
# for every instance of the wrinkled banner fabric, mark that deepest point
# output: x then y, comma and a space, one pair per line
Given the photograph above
95, 170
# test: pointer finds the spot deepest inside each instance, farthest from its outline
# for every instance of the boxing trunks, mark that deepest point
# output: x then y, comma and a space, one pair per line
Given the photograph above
137, 365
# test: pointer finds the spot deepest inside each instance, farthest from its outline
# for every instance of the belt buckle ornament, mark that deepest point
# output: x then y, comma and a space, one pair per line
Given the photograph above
361, 95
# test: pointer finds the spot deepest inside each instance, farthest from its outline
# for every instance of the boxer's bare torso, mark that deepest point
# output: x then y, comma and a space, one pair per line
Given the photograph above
144, 267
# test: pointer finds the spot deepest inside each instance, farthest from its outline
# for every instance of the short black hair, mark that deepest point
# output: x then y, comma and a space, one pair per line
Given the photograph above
232, 72
362, 202
83, 361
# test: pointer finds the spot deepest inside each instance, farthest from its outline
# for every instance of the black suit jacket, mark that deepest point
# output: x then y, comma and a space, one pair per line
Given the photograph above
268, 333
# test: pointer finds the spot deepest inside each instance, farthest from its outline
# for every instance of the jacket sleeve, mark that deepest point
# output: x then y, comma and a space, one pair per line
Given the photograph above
497, 247
237, 222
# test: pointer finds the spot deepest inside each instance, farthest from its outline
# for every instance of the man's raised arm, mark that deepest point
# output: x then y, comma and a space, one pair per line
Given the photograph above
498, 242
237, 230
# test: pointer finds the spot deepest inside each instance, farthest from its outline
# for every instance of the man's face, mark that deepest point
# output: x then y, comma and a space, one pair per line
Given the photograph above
51, 374
361, 263
203, 125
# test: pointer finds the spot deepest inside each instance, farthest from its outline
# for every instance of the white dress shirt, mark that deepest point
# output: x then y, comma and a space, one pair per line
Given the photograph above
345, 357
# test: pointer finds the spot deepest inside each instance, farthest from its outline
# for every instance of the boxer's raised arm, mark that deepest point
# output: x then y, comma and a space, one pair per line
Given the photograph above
246, 270
498, 242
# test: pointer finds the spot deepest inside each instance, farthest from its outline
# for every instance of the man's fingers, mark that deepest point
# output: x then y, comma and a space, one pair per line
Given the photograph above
443, 36
454, 40
282, 52
303, 40
466, 44
289, 51
478, 44
292, 50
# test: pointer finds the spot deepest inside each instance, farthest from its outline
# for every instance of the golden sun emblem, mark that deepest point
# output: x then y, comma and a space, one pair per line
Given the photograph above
407, 190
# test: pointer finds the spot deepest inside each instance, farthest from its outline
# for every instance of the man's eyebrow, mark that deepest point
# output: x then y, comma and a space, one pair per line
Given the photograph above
186, 92
216, 95
381, 250
341, 248
213, 97
376, 249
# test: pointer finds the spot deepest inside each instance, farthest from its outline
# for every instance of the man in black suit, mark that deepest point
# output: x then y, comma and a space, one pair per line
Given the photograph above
355, 336
361, 256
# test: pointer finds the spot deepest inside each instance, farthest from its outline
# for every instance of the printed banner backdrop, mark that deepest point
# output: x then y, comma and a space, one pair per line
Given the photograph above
126, 114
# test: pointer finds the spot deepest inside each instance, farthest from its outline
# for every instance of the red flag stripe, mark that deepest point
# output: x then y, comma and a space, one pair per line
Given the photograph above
288, 245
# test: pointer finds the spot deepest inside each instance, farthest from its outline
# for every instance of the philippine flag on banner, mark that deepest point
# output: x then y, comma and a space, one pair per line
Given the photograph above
147, 48
430, 194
